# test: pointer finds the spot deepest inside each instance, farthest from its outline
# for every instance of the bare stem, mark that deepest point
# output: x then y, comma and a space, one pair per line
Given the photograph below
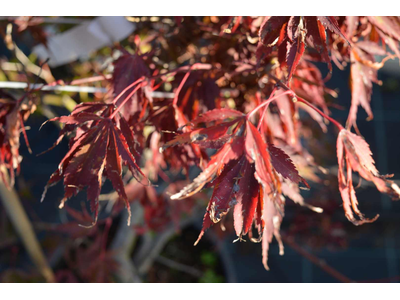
336, 123
265, 110
90, 79
250, 114
175, 101
315, 260
24, 228
297, 98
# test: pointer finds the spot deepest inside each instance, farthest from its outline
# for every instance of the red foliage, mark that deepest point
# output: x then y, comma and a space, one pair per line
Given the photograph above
97, 150
237, 84
12, 115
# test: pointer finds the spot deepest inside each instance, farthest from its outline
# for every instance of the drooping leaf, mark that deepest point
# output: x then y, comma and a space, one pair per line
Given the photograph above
295, 51
223, 197
317, 37
389, 25
232, 150
97, 152
256, 152
248, 196
272, 217
362, 77
13, 113
354, 155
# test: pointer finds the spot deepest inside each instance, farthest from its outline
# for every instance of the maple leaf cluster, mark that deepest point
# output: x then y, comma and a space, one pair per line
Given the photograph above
13, 113
224, 94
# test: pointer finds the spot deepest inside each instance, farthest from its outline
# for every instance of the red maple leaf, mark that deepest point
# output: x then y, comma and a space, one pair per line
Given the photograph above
105, 143
291, 34
354, 155
129, 68
244, 172
13, 113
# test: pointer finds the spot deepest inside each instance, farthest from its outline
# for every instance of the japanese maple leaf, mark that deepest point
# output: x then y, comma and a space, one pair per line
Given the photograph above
364, 72
354, 155
245, 173
198, 93
13, 113
168, 119
100, 149
94, 263
316, 38
388, 28
72, 227
127, 69
291, 34
158, 209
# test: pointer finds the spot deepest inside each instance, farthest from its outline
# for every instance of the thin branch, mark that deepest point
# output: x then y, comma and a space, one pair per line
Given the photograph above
122, 246
24, 228
316, 260
150, 250
251, 113
23, 59
57, 20
299, 99
71, 88
178, 266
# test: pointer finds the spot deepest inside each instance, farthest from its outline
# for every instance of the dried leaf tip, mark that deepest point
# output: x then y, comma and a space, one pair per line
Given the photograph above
396, 188
314, 208
354, 154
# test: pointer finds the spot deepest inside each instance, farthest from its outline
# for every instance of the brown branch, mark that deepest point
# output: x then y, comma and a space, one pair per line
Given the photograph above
316, 260
178, 266
23, 226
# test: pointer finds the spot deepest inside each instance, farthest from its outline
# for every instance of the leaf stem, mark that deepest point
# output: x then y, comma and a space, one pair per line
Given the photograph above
175, 101
263, 114
250, 114
336, 123
141, 84
127, 88
299, 99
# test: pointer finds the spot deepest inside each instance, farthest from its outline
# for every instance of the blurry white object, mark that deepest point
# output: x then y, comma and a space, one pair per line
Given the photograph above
71, 88
80, 41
